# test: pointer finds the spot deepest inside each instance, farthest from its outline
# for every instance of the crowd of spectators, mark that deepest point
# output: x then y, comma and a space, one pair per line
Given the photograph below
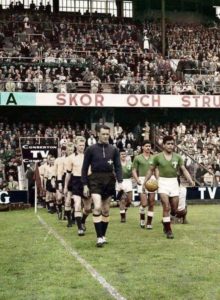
198, 143
45, 52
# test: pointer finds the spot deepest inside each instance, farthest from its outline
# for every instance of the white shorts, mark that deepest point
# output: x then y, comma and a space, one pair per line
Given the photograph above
126, 184
168, 186
182, 198
140, 187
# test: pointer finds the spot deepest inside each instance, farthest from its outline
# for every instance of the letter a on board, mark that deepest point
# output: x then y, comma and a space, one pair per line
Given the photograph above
11, 100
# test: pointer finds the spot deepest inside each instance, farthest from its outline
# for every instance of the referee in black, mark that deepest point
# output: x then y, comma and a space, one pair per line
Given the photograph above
104, 160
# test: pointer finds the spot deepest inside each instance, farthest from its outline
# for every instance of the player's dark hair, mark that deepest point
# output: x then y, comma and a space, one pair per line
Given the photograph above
103, 127
145, 142
168, 138
122, 150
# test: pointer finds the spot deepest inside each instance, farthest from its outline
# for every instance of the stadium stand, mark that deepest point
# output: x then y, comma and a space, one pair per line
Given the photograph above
100, 53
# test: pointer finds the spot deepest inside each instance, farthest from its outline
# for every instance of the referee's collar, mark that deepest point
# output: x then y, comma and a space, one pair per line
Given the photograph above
103, 144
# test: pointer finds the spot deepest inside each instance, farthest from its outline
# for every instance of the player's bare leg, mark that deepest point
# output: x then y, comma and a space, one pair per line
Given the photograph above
143, 205
78, 214
174, 201
59, 199
122, 207
128, 201
68, 200
150, 212
87, 209
52, 202
166, 216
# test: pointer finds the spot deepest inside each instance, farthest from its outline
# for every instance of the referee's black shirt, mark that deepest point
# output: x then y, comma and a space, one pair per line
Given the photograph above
101, 158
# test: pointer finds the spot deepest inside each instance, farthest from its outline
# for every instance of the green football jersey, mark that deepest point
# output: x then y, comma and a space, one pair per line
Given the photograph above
141, 164
167, 168
127, 170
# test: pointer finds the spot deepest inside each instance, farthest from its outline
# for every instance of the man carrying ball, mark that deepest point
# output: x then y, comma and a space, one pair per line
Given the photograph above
168, 163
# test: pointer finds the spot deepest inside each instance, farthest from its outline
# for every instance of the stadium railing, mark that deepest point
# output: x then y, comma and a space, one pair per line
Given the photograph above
61, 86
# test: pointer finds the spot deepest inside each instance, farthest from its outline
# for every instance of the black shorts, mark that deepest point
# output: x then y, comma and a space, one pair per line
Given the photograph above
62, 182
69, 187
102, 184
76, 186
49, 187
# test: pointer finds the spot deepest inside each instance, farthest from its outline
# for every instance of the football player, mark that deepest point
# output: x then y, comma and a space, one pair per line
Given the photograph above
168, 164
125, 197
60, 179
74, 166
140, 167
50, 177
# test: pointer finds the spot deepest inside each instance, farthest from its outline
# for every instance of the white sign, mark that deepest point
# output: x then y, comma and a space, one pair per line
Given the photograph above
124, 100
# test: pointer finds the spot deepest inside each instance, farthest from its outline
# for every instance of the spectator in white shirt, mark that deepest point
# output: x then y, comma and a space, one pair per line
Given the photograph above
91, 140
117, 130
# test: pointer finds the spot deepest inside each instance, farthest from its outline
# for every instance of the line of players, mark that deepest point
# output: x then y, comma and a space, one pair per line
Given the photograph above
61, 178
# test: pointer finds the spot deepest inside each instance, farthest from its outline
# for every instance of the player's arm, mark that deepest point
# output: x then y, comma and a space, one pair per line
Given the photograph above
56, 167
59, 175
41, 173
59, 170
117, 166
187, 175
84, 172
85, 166
156, 173
46, 173
135, 176
150, 172
69, 167
118, 169
134, 171
56, 173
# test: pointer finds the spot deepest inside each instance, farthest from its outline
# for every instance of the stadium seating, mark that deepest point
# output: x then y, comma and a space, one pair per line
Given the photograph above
65, 49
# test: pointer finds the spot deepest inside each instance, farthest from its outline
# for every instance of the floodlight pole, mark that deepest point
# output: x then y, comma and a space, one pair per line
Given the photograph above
163, 26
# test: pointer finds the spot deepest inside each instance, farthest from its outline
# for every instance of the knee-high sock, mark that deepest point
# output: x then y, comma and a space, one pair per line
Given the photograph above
97, 219
105, 221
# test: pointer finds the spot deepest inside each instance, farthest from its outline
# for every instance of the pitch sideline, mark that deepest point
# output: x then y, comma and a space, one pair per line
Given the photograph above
110, 289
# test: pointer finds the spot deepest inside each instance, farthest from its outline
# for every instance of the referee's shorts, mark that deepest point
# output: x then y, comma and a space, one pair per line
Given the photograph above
103, 184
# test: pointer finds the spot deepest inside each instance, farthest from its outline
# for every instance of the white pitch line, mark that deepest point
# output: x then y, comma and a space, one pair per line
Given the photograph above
110, 289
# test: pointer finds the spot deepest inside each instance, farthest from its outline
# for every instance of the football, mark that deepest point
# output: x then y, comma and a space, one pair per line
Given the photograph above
151, 185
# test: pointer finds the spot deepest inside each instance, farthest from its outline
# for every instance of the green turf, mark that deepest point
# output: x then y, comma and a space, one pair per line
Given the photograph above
140, 264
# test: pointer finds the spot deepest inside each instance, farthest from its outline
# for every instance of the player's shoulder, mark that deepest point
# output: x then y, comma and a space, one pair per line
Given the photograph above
113, 148
177, 155
137, 157
91, 148
160, 154
94, 146
157, 156
71, 156
151, 157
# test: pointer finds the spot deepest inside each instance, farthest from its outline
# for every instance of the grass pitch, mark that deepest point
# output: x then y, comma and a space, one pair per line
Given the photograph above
140, 264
